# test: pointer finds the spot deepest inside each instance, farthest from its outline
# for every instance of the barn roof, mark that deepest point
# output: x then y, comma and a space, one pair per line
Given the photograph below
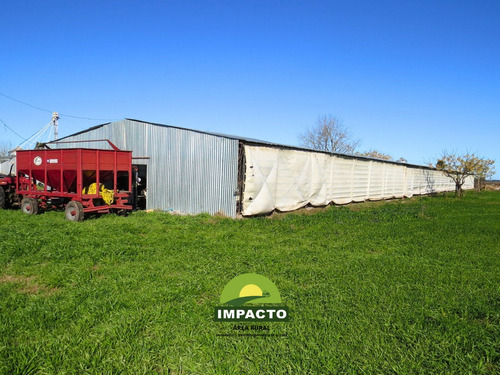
252, 141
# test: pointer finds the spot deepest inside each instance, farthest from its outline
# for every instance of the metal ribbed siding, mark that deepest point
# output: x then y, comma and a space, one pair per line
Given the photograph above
188, 171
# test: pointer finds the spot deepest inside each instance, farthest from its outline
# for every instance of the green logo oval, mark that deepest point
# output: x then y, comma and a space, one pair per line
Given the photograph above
250, 288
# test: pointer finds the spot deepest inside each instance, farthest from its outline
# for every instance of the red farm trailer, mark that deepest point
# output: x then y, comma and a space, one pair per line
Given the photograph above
81, 180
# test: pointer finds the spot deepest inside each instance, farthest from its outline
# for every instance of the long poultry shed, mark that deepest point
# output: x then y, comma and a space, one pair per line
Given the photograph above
194, 171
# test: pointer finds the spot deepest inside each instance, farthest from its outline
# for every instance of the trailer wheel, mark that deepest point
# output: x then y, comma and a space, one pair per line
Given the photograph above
29, 206
2, 198
74, 211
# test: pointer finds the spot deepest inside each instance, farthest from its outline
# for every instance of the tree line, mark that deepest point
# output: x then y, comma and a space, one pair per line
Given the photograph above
331, 135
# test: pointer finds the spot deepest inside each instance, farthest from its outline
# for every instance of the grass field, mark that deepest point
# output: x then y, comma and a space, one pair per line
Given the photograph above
397, 287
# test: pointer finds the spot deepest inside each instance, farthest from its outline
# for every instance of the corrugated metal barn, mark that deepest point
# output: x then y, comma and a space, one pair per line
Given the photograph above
193, 171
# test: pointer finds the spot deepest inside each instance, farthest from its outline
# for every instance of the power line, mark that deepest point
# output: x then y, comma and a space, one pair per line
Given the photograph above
39, 134
35, 137
29, 105
60, 114
8, 127
87, 118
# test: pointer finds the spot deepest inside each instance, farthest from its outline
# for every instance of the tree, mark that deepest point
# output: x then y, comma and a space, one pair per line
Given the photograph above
459, 167
4, 150
485, 170
329, 134
375, 154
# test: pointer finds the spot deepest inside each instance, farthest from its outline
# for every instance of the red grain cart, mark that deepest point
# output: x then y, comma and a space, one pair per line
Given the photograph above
81, 180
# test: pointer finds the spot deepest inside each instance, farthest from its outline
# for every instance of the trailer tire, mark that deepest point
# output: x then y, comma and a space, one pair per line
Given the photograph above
29, 206
74, 211
2, 198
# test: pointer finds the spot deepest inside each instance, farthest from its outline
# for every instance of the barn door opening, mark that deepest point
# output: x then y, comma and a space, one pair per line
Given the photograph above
139, 186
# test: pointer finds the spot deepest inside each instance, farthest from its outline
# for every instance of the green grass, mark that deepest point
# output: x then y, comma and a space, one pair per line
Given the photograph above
397, 287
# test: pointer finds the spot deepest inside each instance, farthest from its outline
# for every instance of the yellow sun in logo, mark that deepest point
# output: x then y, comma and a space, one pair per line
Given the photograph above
250, 290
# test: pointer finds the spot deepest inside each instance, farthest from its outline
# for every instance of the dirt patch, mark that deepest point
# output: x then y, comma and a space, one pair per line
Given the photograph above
16, 279
95, 267
492, 186
308, 210
27, 285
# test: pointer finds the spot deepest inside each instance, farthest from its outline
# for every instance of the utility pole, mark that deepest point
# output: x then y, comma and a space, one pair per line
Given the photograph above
55, 117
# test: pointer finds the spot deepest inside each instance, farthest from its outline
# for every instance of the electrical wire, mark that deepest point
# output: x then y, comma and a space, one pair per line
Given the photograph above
29, 105
60, 114
35, 137
28, 142
8, 127
87, 118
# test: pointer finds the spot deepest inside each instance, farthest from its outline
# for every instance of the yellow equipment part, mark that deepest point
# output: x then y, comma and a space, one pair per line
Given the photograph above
108, 196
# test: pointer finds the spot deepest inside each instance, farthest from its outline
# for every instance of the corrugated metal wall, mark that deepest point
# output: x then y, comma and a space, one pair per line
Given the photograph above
188, 171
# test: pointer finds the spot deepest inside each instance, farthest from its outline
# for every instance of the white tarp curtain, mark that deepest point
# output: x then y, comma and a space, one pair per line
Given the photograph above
5, 167
289, 179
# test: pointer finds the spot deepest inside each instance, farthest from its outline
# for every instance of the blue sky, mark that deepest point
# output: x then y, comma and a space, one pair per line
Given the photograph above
409, 78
